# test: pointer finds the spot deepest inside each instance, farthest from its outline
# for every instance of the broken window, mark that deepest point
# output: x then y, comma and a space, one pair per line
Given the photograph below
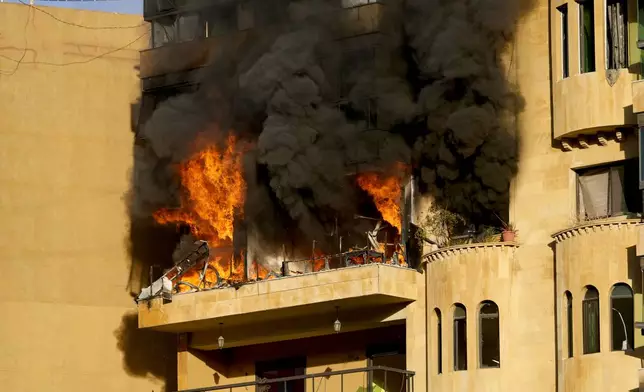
489, 343
587, 35
565, 60
622, 321
177, 28
616, 34
164, 30
610, 190
590, 313
439, 341
460, 337
569, 325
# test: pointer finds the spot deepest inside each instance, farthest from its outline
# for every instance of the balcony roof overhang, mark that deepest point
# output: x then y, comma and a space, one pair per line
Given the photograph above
370, 288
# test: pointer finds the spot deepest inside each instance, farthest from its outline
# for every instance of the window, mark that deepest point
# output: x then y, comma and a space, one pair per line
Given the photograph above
489, 343
439, 341
282, 368
616, 34
587, 35
460, 337
590, 310
565, 59
220, 20
622, 320
609, 190
177, 28
569, 325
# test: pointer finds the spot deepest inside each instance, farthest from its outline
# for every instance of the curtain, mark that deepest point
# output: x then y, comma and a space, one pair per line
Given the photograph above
593, 194
616, 34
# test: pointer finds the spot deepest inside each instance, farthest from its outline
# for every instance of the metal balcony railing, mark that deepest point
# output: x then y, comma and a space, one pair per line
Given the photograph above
376, 378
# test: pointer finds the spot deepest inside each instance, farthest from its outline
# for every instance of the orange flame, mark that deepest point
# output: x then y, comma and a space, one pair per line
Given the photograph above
216, 190
386, 193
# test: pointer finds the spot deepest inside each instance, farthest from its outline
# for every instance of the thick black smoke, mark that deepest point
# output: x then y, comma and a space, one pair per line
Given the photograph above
428, 91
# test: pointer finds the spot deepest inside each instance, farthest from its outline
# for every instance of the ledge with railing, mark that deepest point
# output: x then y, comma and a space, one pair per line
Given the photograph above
375, 378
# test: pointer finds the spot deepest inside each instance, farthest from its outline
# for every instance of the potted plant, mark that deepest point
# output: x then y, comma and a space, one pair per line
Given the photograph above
509, 232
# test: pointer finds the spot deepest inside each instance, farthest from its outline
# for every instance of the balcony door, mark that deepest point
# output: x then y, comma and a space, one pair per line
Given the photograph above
391, 356
288, 367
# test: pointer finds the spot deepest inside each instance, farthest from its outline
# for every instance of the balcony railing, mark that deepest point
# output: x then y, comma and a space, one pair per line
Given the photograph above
377, 378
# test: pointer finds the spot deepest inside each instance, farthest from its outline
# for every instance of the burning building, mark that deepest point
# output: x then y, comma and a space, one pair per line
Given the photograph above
346, 179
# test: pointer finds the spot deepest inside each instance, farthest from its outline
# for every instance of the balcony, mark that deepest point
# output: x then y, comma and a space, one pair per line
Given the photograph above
599, 253
174, 57
293, 305
364, 379
587, 103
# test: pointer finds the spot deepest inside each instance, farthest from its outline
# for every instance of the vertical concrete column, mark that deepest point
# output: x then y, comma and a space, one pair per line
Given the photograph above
182, 361
416, 336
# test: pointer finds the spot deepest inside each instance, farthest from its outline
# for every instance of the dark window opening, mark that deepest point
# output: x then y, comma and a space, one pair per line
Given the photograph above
622, 320
569, 325
439, 341
590, 312
610, 190
489, 342
616, 34
390, 355
460, 337
288, 367
587, 35
565, 59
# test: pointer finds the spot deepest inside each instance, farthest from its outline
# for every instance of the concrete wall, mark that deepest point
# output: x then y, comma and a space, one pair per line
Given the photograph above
544, 202
599, 254
469, 275
65, 153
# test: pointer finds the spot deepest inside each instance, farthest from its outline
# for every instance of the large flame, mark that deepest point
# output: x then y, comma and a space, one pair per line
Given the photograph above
215, 192
385, 192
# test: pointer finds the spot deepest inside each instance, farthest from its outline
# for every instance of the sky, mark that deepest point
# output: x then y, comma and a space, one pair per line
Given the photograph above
120, 6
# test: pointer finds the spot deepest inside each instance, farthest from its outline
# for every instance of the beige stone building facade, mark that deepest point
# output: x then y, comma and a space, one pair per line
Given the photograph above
68, 81
557, 309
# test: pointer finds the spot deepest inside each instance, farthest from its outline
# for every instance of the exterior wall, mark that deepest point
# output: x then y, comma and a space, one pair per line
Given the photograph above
469, 275
604, 107
65, 152
599, 254
544, 201
329, 353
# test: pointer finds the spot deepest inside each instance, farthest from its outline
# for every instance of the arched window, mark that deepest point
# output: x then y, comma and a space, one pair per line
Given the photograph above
460, 337
590, 312
569, 326
622, 323
489, 348
439, 341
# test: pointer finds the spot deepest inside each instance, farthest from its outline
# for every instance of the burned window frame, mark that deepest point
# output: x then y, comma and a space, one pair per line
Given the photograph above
616, 38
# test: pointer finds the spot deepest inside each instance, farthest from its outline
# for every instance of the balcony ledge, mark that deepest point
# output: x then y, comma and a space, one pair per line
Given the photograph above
356, 287
444, 253
594, 226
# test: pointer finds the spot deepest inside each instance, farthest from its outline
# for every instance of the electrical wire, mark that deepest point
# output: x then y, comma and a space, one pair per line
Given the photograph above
73, 62
24, 52
76, 24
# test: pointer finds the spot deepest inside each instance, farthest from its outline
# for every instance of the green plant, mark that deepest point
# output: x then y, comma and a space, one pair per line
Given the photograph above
507, 226
439, 223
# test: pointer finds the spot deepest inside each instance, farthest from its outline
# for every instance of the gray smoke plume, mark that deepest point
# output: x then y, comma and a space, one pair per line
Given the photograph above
428, 91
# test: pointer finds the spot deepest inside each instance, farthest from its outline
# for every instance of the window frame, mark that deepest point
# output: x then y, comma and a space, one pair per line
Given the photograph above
588, 304
570, 336
564, 27
587, 64
493, 316
607, 30
455, 336
630, 319
439, 340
